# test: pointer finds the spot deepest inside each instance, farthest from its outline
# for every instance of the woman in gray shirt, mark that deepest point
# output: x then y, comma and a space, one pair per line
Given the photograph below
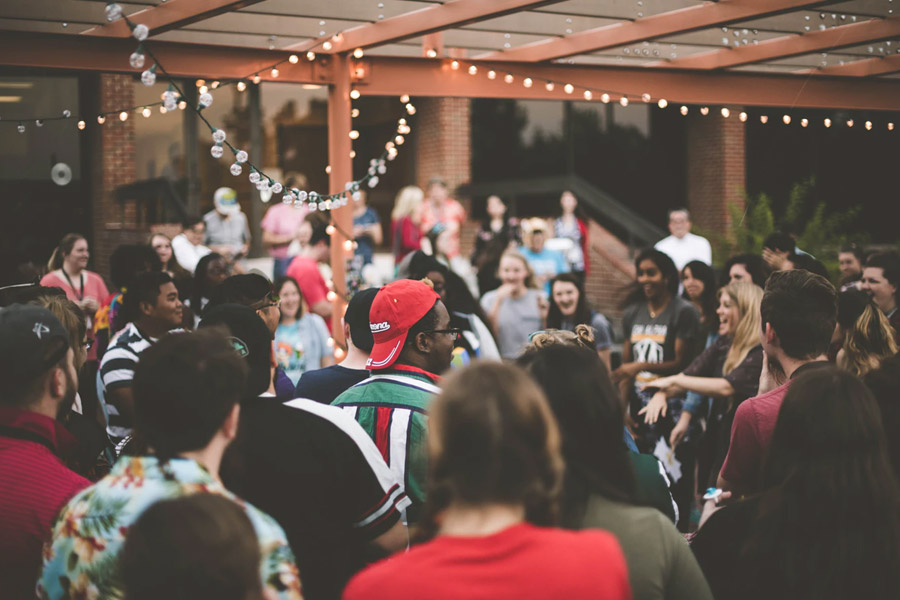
516, 308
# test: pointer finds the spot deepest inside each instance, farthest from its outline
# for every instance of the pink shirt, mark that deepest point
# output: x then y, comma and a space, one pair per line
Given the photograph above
306, 273
450, 213
93, 288
283, 219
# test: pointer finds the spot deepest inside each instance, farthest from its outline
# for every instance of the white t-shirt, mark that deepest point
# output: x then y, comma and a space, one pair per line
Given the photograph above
187, 254
684, 250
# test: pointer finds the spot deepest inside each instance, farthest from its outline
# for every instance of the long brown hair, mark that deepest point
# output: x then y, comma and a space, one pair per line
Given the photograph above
747, 296
492, 439
62, 250
868, 342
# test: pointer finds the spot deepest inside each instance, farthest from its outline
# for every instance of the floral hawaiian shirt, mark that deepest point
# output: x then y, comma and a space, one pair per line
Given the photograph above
81, 559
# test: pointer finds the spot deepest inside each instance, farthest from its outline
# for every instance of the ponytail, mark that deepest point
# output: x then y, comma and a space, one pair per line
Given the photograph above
65, 247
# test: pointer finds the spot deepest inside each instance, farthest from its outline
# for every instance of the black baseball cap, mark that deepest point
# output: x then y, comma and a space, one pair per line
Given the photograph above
32, 340
250, 338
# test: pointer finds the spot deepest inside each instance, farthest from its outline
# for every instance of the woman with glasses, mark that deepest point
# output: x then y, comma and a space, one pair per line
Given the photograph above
301, 339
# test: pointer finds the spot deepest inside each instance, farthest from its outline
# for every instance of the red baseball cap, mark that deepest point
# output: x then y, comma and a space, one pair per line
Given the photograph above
397, 307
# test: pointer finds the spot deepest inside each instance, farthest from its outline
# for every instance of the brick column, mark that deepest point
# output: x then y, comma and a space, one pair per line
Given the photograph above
113, 165
717, 171
444, 149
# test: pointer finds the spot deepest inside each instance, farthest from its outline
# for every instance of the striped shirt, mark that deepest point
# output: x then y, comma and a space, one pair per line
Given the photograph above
391, 407
117, 372
314, 469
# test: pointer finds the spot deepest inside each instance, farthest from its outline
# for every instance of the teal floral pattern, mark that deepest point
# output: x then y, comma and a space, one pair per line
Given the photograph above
81, 558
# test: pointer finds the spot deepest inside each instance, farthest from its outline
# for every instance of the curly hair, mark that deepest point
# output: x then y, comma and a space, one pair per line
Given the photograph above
582, 337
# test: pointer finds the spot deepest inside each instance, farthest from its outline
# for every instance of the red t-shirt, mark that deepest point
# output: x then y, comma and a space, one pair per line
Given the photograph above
522, 562
751, 432
754, 422
34, 485
306, 273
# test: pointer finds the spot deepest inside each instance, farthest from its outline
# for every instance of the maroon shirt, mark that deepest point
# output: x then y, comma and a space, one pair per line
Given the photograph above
34, 486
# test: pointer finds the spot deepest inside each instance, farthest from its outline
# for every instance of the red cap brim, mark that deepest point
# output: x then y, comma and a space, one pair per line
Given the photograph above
384, 354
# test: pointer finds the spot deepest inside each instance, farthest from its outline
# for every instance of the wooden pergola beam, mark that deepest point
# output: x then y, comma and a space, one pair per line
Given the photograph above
423, 77
386, 76
169, 15
791, 45
882, 65
709, 14
80, 53
424, 21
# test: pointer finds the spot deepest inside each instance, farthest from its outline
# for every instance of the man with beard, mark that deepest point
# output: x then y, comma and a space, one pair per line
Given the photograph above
38, 383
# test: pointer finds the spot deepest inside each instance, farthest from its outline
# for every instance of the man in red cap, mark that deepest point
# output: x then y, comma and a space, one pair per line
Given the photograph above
413, 345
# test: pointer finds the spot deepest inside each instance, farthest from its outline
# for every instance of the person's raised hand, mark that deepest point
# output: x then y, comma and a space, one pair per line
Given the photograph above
656, 408
678, 432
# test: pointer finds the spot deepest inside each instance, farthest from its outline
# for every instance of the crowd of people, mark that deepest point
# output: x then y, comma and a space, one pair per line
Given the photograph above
185, 431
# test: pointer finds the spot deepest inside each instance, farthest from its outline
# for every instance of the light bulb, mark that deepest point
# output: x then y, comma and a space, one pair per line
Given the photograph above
146, 112
662, 103
890, 126
274, 72
399, 140
492, 74
354, 134
218, 136
623, 100
326, 46
454, 65
358, 53
742, 117
136, 60
217, 151
804, 122
868, 125
849, 122
241, 86
588, 94
527, 82
310, 56
549, 86
101, 119
431, 53
725, 112
330, 230
764, 119
410, 109
508, 78
355, 94
293, 59
113, 11
348, 246
684, 110
404, 99
827, 123
236, 169
241, 156
140, 32
786, 119
81, 124
254, 176
256, 79
568, 88
473, 70
604, 98
206, 100
148, 77
646, 97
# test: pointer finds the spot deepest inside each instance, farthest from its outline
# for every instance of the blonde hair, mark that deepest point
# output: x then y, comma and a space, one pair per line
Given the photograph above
529, 277
408, 199
72, 318
582, 337
748, 297
62, 250
870, 341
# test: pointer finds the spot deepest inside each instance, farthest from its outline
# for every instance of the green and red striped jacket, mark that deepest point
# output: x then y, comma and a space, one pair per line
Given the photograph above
391, 406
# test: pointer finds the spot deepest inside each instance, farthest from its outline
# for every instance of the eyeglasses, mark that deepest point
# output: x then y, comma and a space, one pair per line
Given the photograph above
88, 344
454, 333
271, 299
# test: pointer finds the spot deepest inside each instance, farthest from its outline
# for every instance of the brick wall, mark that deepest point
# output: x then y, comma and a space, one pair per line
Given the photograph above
717, 174
444, 149
114, 165
611, 268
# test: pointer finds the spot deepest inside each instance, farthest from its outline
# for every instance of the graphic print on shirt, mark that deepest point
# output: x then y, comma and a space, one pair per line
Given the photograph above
647, 342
